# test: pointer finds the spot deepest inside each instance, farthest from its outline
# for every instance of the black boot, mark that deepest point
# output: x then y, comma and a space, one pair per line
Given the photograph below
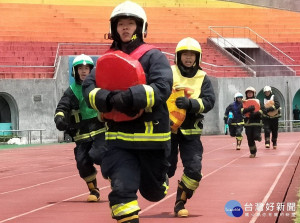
181, 198
238, 144
267, 143
94, 191
129, 219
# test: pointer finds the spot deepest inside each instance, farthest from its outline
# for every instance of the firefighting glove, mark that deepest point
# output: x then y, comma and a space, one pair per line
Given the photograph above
171, 122
225, 120
61, 123
183, 103
108, 102
122, 102
255, 115
270, 109
251, 108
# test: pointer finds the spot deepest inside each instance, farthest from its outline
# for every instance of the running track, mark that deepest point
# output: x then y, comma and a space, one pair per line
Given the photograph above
40, 184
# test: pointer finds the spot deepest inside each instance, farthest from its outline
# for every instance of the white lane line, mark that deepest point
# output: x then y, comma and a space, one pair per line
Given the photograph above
46, 206
10, 176
36, 185
257, 213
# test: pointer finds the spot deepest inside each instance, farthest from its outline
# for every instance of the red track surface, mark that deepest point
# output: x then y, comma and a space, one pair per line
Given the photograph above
41, 185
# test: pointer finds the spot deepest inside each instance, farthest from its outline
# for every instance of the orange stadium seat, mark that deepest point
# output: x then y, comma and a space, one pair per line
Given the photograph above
31, 33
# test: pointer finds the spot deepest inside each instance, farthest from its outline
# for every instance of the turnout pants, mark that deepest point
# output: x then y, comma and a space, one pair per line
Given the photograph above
271, 126
131, 170
253, 133
236, 130
191, 151
88, 153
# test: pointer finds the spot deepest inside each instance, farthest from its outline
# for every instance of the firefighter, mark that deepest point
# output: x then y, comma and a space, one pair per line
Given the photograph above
137, 149
73, 115
236, 123
199, 99
253, 122
271, 114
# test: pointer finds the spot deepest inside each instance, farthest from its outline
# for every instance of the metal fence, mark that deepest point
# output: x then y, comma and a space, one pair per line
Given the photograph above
23, 133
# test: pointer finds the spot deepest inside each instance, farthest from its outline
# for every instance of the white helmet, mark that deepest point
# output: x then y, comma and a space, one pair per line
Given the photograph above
128, 9
238, 95
251, 89
82, 60
267, 88
188, 43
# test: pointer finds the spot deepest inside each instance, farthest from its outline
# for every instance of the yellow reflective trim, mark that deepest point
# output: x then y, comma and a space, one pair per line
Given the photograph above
149, 97
60, 113
167, 187
189, 183
91, 177
254, 124
239, 123
191, 131
239, 138
125, 209
76, 113
149, 127
92, 98
137, 137
201, 109
90, 134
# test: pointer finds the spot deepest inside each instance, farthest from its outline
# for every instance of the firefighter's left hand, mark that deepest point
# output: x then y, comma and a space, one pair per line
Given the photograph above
270, 109
183, 103
122, 101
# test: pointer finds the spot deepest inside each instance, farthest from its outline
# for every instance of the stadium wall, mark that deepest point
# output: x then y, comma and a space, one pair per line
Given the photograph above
33, 102
39, 114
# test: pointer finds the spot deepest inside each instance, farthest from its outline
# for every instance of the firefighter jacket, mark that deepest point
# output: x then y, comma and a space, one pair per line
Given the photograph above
254, 119
276, 107
202, 100
83, 124
152, 129
235, 108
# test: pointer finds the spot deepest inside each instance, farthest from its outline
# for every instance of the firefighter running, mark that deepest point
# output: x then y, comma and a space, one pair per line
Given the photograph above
73, 115
199, 98
137, 149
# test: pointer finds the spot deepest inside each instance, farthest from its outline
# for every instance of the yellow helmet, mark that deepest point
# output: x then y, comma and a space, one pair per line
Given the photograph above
128, 9
188, 43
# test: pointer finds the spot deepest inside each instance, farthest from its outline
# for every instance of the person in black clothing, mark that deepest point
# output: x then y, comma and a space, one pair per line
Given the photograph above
73, 115
253, 122
236, 123
198, 99
137, 149
271, 114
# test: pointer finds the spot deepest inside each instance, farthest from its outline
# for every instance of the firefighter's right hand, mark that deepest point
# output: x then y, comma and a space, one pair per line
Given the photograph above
61, 123
251, 108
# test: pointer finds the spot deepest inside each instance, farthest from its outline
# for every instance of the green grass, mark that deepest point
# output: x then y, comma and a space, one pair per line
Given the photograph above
297, 219
12, 146
15, 146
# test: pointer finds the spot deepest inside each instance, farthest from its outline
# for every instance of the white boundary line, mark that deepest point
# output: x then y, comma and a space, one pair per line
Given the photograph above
46, 206
36, 171
254, 218
35, 185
